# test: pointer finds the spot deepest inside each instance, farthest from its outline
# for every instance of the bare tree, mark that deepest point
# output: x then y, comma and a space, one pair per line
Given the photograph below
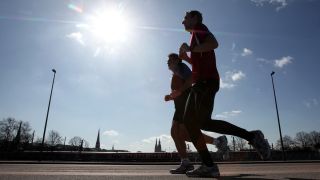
314, 138
85, 143
232, 144
241, 144
54, 138
302, 139
25, 132
7, 128
76, 141
288, 143
238, 144
38, 140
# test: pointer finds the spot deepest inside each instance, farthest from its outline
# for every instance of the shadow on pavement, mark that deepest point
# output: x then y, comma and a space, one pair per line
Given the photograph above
251, 177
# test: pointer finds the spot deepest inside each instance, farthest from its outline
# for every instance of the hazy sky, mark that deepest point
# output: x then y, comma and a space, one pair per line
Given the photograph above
110, 58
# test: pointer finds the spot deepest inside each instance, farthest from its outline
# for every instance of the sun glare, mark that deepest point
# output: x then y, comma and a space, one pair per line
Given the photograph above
109, 26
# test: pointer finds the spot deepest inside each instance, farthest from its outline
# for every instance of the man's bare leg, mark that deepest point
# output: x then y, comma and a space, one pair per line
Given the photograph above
178, 141
180, 144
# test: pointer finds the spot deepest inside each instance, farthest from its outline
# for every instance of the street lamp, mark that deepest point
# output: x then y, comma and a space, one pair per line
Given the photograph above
45, 125
275, 100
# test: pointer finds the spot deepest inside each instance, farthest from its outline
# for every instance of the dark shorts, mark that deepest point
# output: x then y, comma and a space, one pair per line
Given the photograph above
200, 102
179, 105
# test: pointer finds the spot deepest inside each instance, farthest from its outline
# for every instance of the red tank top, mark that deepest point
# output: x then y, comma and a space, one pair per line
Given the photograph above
203, 64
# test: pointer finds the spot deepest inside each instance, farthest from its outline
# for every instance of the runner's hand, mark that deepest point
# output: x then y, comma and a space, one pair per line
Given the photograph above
184, 48
167, 98
175, 93
183, 55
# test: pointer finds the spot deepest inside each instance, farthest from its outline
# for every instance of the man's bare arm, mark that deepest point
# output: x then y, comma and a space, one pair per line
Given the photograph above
210, 43
178, 92
184, 56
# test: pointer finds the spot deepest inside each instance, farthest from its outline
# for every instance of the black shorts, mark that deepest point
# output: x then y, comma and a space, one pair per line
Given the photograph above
200, 102
179, 105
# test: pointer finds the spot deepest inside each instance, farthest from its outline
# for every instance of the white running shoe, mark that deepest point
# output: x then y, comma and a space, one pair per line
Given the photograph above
261, 145
204, 171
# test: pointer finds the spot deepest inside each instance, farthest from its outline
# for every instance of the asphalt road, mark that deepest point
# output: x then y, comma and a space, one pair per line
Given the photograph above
292, 171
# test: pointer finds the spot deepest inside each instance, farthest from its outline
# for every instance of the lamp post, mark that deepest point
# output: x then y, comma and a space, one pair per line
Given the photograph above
275, 100
45, 125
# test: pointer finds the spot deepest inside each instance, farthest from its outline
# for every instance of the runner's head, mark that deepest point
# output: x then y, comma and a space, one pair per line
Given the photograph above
173, 61
191, 19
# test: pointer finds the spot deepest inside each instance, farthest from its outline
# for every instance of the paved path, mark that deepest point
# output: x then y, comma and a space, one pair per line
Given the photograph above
291, 171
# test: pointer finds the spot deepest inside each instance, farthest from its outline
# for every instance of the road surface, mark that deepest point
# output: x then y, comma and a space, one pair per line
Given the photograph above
291, 171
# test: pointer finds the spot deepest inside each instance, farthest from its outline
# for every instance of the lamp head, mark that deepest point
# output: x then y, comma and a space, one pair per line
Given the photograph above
53, 70
272, 73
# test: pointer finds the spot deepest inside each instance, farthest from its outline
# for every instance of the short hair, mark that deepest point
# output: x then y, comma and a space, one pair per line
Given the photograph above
174, 56
197, 14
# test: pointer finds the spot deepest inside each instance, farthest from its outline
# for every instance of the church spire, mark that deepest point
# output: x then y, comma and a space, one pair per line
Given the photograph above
98, 141
156, 146
159, 146
18, 136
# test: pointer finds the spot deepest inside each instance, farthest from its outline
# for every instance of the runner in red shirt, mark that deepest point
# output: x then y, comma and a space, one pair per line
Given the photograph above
200, 103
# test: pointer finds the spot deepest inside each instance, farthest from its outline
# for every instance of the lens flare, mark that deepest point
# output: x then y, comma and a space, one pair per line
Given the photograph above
75, 8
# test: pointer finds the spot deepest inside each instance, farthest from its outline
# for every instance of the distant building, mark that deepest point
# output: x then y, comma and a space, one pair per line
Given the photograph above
18, 136
157, 147
98, 141
16, 140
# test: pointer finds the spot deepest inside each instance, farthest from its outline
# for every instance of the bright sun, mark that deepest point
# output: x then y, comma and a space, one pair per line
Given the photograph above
109, 26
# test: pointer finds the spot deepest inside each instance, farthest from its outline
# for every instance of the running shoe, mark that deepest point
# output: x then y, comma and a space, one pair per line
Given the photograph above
261, 145
222, 145
182, 169
205, 171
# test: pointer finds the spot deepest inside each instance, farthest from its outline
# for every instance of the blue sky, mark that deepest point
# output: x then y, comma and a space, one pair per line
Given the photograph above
116, 81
